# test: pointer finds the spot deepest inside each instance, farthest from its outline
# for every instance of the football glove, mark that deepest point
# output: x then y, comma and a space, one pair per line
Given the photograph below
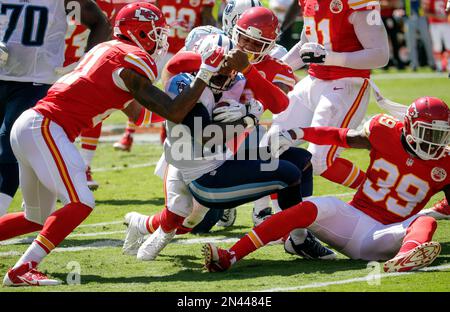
234, 111
4, 54
255, 108
212, 60
280, 142
313, 53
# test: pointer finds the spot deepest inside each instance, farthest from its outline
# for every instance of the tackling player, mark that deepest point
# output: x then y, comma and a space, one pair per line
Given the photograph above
342, 40
32, 49
182, 16
108, 78
409, 163
77, 37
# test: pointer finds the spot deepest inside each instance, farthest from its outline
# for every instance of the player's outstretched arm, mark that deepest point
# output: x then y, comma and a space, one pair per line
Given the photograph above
93, 18
342, 137
159, 102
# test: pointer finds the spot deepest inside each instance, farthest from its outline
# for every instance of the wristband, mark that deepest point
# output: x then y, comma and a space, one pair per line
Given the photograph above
250, 121
204, 75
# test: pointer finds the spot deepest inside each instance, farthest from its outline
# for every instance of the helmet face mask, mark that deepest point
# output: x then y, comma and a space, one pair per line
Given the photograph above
427, 128
256, 32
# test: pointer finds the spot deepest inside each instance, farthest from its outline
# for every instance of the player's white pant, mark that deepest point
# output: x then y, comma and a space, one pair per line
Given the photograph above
50, 166
179, 199
333, 103
440, 33
354, 233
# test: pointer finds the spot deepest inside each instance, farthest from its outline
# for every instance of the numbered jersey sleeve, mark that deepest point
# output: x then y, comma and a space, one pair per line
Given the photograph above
142, 63
363, 5
381, 127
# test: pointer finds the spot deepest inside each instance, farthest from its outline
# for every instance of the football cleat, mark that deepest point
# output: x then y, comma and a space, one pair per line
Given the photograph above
133, 238
310, 249
92, 184
125, 143
440, 211
156, 242
216, 259
419, 257
228, 218
262, 215
27, 275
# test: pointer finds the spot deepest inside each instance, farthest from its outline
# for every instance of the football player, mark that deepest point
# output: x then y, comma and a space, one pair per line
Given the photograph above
409, 163
76, 41
32, 49
108, 78
439, 30
182, 16
211, 180
342, 40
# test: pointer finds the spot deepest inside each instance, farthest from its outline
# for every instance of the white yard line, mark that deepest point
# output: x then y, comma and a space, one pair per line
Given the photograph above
355, 280
100, 224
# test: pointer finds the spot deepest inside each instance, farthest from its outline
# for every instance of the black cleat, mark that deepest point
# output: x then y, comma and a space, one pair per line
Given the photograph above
310, 249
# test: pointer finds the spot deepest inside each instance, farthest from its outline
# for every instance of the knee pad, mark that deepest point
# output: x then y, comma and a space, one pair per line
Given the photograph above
198, 214
36, 214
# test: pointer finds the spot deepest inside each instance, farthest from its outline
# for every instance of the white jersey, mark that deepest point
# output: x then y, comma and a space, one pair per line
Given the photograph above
33, 32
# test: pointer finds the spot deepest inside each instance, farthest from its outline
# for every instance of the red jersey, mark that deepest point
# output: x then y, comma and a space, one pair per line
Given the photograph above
273, 70
90, 93
182, 16
437, 7
77, 34
397, 185
330, 26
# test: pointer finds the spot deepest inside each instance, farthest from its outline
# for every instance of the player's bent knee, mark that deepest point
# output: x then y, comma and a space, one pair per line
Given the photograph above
319, 165
36, 214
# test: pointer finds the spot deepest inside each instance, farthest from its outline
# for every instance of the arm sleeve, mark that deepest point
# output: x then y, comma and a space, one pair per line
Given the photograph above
326, 136
271, 97
374, 40
292, 58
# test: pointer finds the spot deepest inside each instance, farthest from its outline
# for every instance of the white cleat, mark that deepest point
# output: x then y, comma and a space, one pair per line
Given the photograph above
27, 275
419, 257
133, 238
151, 248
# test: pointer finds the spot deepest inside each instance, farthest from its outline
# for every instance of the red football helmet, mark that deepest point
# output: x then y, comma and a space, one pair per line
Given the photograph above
143, 24
256, 32
427, 127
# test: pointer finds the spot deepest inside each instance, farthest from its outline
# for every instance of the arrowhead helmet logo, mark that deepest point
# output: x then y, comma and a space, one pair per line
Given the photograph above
146, 15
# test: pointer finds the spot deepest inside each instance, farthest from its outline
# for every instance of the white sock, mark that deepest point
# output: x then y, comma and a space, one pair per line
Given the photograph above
261, 204
298, 236
87, 156
5, 202
34, 253
276, 207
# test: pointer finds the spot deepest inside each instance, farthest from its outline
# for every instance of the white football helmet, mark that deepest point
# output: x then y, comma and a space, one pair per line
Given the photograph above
192, 41
233, 10
219, 82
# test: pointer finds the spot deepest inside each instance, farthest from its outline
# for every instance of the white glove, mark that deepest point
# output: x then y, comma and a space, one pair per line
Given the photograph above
234, 111
212, 59
255, 108
280, 142
313, 53
4, 54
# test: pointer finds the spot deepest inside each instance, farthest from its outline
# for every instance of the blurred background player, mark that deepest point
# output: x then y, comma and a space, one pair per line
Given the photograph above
388, 8
36, 50
440, 32
110, 76
182, 16
77, 38
408, 165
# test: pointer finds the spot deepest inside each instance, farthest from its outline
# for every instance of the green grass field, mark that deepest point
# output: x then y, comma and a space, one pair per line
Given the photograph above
128, 184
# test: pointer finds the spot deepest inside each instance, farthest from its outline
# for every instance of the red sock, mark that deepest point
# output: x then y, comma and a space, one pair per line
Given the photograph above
170, 221
61, 223
15, 224
153, 222
162, 134
419, 232
89, 137
131, 127
345, 173
299, 216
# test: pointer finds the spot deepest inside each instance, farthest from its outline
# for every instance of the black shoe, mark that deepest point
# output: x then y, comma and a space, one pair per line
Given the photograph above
310, 249
261, 216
